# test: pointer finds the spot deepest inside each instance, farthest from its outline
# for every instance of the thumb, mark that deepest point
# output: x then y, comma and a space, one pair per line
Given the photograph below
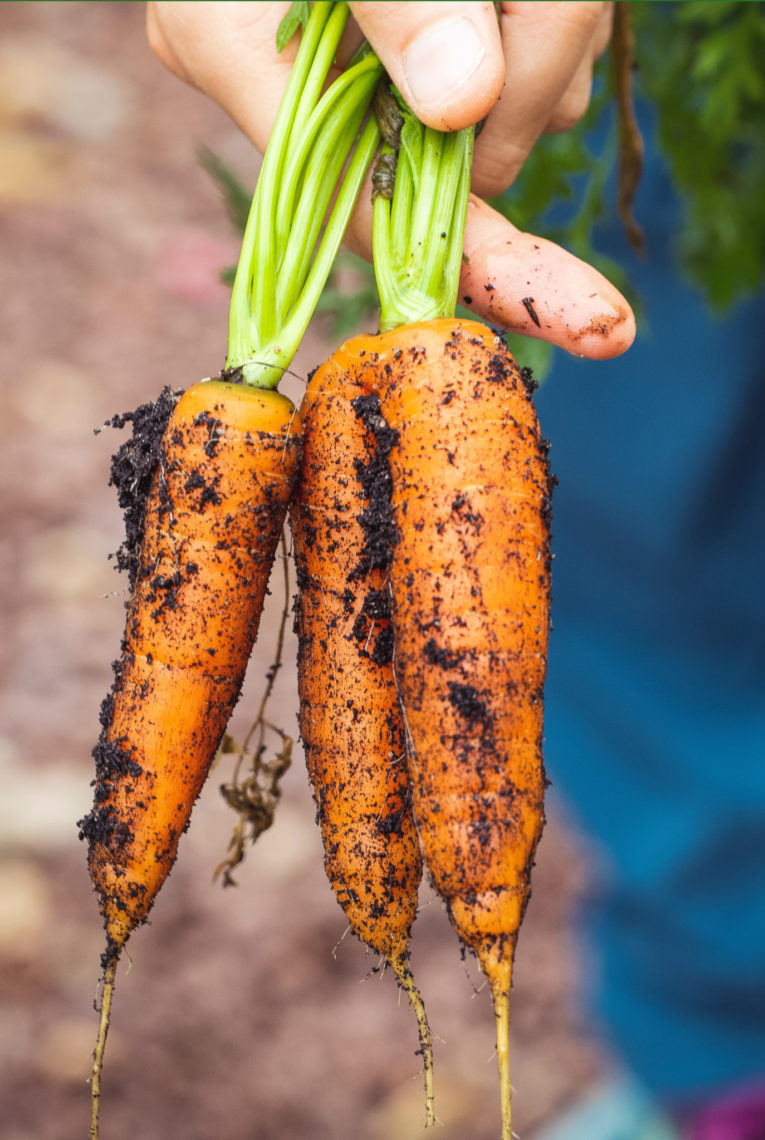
445, 58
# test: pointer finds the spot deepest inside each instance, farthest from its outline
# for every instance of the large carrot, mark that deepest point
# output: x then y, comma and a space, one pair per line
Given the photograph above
226, 467
350, 720
469, 558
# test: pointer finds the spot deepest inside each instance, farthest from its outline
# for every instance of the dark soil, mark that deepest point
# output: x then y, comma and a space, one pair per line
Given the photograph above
134, 465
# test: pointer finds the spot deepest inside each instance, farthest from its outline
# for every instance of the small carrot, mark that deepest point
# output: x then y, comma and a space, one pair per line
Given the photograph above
350, 720
214, 515
225, 471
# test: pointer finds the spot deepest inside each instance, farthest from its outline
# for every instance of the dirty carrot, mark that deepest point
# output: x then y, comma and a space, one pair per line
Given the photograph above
350, 720
226, 455
469, 555
470, 569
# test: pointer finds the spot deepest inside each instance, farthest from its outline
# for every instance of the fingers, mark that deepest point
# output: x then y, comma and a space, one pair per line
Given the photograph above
445, 58
549, 51
528, 285
514, 280
228, 51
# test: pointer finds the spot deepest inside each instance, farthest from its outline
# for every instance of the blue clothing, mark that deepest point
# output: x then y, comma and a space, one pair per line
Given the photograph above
655, 725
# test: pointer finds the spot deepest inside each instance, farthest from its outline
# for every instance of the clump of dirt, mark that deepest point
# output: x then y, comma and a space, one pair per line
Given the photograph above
133, 467
378, 527
376, 483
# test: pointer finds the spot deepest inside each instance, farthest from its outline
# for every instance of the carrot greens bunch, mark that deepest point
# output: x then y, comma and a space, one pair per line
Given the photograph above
292, 237
421, 191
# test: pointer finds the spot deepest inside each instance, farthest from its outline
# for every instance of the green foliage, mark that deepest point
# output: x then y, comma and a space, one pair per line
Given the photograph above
701, 65
236, 197
296, 18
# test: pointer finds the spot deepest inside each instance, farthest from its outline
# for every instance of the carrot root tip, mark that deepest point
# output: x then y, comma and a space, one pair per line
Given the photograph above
110, 971
407, 984
500, 991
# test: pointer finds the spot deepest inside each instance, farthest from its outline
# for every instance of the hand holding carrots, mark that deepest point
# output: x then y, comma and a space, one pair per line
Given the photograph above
423, 620
455, 65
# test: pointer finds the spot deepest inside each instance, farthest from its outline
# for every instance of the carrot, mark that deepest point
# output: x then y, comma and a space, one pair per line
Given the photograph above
470, 572
225, 470
350, 720
228, 462
227, 466
469, 568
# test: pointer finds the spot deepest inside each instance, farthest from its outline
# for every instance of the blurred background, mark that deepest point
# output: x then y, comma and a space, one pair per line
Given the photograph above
241, 1013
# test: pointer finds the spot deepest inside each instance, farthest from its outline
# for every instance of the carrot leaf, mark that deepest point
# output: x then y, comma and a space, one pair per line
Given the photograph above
297, 17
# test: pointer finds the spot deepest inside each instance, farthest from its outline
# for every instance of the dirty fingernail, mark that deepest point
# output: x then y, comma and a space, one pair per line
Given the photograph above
441, 60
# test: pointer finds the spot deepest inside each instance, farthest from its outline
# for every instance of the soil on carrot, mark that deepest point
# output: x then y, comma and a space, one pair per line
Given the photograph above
133, 468
132, 472
376, 485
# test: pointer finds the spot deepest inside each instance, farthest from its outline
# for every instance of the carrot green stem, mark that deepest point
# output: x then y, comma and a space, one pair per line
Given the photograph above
418, 234
274, 357
284, 253
320, 175
98, 1057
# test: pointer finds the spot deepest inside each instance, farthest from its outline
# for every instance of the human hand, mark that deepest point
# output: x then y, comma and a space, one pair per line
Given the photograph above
453, 68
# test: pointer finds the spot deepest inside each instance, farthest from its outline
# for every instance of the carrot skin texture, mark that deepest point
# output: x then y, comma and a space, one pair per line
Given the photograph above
350, 720
470, 584
229, 461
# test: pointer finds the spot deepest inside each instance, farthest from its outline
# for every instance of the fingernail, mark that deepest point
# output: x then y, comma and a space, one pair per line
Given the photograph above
442, 59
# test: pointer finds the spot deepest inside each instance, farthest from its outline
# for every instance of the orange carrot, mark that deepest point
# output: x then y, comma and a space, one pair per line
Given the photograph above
350, 719
469, 586
215, 512
224, 475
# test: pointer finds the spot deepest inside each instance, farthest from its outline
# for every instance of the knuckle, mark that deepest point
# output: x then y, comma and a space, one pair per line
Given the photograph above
571, 108
493, 170
586, 14
489, 185
156, 33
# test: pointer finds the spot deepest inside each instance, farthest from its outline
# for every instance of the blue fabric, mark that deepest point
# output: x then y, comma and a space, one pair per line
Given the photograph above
655, 729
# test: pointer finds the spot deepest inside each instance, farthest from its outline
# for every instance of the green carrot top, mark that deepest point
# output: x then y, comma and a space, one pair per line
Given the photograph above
286, 257
422, 185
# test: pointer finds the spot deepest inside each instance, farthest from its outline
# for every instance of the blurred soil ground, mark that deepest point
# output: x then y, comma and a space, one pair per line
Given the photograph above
243, 1014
